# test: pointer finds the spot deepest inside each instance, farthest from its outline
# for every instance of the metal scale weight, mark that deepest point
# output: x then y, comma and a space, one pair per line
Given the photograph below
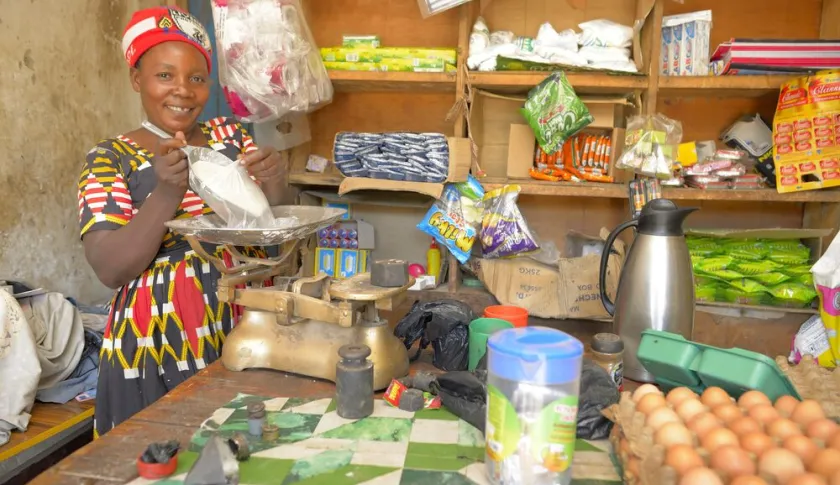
299, 328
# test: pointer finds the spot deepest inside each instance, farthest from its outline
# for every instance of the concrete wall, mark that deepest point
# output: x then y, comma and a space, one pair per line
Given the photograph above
63, 87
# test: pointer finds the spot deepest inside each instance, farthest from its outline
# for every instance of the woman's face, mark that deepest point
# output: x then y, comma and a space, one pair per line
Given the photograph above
174, 85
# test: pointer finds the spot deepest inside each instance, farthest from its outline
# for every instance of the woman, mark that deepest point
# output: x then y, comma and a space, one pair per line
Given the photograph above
166, 322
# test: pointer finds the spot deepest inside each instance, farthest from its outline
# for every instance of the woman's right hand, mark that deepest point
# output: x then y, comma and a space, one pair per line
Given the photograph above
171, 167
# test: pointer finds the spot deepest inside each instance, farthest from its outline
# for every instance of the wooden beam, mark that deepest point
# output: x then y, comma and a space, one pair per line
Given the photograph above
830, 20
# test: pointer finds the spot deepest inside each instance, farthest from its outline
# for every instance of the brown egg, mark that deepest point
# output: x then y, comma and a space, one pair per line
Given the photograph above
633, 468
826, 462
690, 408
714, 396
804, 447
750, 480
673, 434
643, 390
717, 438
821, 429
751, 398
679, 394
683, 458
807, 412
701, 476
834, 441
835, 479
782, 428
661, 416
763, 413
807, 479
756, 443
727, 412
785, 405
780, 464
744, 425
650, 402
703, 423
732, 461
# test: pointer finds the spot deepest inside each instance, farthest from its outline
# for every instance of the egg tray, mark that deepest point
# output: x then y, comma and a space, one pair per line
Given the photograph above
813, 381
642, 460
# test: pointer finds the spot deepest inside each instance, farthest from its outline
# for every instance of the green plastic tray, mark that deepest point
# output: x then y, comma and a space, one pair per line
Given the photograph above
675, 361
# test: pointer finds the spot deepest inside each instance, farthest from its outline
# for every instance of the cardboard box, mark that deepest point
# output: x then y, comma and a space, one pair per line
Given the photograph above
364, 233
341, 263
339, 205
806, 134
685, 42
568, 290
460, 160
506, 143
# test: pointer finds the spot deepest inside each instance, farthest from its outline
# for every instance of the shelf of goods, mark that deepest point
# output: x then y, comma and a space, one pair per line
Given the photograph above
614, 191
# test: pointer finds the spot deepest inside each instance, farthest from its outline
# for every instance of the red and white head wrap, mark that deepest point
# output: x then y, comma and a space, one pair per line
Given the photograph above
153, 26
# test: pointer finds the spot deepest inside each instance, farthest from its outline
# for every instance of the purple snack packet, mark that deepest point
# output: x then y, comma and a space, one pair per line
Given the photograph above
504, 232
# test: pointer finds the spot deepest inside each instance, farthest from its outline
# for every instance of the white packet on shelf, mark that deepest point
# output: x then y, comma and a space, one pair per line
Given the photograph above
548, 37
605, 33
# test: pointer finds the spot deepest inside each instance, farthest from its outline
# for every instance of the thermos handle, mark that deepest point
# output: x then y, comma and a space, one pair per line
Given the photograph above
605, 258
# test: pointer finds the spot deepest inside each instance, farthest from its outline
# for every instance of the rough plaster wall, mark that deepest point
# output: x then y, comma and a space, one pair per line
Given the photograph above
63, 87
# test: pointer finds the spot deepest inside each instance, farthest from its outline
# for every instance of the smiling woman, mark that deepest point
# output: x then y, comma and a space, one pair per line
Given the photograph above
166, 322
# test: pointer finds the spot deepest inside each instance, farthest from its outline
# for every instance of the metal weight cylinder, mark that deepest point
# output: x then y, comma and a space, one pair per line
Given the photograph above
354, 382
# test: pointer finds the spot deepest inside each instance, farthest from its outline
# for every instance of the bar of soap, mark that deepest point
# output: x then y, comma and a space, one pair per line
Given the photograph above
389, 273
412, 400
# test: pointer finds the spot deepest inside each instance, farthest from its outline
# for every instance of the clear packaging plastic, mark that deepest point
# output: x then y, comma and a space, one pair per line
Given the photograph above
229, 190
434, 7
269, 65
504, 231
651, 145
605, 33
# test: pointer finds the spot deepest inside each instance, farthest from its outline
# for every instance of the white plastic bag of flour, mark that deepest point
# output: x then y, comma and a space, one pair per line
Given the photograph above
227, 187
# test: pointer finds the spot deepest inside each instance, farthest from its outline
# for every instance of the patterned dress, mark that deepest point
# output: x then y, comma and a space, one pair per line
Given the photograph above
168, 323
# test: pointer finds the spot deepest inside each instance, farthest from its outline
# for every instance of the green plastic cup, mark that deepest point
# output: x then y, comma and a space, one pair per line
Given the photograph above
480, 330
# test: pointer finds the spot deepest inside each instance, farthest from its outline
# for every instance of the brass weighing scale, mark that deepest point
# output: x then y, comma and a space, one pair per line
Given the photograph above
298, 328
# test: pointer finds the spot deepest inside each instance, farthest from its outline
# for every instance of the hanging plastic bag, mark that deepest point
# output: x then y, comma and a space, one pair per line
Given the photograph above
269, 65
826, 273
504, 232
554, 112
651, 144
443, 324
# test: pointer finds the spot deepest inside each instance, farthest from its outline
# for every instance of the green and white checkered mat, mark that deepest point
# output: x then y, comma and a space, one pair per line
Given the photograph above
390, 447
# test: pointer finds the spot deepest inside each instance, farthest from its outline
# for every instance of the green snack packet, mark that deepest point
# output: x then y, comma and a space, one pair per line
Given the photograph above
749, 268
703, 253
773, 278
705, 280
793, 293
710, 265
705, 293
796, 270
806, 279
748, 286
725, 274
734, 295
789, 258
785, 245
554, 112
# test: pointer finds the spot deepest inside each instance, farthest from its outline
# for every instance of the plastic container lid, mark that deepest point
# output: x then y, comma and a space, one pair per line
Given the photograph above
537, 355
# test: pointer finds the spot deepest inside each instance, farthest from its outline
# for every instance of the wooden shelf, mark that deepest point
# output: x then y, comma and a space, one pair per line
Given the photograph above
614, 191
513, 82
720, 86
357, 81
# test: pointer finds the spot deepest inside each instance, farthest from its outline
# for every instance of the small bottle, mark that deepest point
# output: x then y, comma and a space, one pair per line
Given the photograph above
354, 382
433, 261
608, 352
256, 418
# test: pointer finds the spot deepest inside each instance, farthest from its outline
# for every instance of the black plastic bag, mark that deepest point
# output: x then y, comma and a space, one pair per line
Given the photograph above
464, 394
443, 324
597, 392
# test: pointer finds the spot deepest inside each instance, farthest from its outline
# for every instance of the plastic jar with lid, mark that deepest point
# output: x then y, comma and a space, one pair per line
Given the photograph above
533, 383
608, 353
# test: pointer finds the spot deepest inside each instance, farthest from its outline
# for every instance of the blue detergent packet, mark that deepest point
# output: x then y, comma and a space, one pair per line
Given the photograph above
446, 220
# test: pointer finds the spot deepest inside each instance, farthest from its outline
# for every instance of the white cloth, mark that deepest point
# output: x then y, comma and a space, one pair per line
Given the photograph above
19, 367
41, 343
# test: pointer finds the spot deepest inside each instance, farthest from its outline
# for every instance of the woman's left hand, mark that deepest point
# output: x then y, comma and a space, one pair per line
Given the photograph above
265, 164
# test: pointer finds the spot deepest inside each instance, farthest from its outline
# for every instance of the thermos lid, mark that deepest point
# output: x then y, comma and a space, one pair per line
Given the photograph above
607, 343
662, 217
537, 355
